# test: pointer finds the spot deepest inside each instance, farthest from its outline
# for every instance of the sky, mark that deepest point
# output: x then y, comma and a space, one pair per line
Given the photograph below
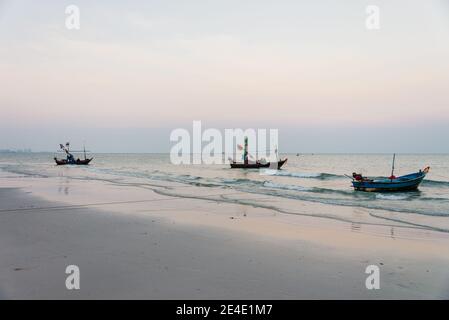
136, 70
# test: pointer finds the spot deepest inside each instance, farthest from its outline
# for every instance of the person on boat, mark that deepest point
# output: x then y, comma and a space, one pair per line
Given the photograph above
357, 176
70, 158
245, 151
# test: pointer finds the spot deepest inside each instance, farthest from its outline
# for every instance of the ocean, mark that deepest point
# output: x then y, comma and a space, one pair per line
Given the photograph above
306, 179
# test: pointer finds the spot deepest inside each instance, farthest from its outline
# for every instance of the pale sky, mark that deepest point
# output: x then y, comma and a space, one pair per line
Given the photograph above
138, 69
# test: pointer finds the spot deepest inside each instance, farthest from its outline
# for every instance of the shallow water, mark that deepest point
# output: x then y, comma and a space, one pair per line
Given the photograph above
317, 178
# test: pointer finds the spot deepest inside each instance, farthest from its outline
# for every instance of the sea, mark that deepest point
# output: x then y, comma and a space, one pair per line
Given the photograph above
305, 179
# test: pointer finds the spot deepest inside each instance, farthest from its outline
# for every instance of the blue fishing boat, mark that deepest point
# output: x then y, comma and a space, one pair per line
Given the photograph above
389, 184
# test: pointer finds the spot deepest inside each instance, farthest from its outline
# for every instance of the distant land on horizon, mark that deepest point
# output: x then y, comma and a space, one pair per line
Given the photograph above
26, 151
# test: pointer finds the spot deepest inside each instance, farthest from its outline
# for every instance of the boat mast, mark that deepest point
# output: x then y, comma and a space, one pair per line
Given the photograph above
392, 166
245, 151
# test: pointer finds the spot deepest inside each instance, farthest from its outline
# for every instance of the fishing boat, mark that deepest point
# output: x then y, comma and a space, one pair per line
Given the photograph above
255, 164
389, 184
258, 164
70, 159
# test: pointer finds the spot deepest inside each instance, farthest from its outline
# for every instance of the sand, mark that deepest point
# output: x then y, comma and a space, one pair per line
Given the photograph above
134, 243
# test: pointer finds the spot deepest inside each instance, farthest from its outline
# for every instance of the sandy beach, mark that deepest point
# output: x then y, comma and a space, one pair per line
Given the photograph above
134, 242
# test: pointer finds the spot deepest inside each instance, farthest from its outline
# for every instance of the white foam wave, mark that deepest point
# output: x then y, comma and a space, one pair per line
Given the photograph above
391, 196
269, 184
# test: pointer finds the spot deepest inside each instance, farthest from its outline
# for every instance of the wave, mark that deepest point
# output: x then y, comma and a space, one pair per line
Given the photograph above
226, 199
321, 195
415, 203
317, 190
21, 171
392, 196
296, 192
239, 181
269, 184
305, 175
435, 183
189, 177
365, 200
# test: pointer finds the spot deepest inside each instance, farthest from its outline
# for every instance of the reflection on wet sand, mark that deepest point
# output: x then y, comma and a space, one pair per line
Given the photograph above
64, 185
356, 227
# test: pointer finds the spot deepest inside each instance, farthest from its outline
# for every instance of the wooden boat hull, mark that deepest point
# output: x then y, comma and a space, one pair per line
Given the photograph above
235, 165
62, 162
405, 183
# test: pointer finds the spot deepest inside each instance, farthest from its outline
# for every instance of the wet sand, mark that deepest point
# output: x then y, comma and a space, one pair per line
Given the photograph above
132, 242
